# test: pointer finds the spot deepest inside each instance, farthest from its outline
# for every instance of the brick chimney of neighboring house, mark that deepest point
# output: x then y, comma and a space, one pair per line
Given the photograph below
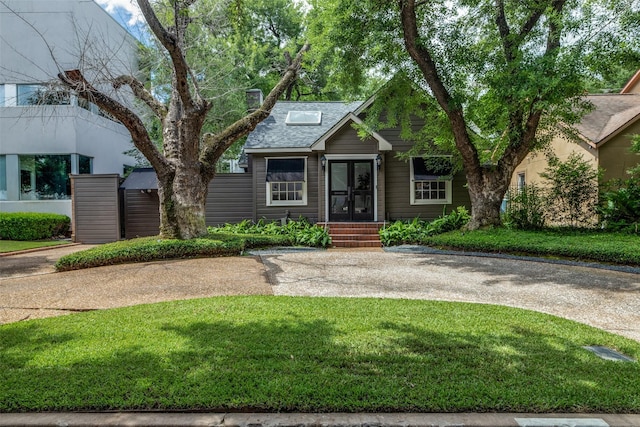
254, 99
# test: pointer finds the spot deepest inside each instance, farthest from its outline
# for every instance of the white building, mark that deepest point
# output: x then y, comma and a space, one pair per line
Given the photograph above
45, 132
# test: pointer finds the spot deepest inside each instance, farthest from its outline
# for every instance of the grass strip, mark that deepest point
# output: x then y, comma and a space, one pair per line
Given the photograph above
20, 245
614, 248
314, 354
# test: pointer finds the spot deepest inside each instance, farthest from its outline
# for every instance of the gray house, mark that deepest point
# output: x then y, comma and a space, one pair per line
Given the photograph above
306, 159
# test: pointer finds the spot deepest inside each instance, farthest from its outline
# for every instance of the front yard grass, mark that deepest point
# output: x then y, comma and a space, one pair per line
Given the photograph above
19, 245
313, 354
598, 246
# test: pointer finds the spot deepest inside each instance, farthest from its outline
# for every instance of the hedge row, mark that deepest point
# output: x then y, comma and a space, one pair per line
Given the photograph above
153, 249
32, 226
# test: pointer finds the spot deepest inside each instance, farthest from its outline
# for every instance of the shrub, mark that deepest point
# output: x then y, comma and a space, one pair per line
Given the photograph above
620, 207
525, 208
573, 191
147, 249
32, 226
416, 230
300, 232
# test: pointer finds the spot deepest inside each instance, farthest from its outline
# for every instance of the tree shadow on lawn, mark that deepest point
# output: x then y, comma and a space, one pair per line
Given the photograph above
292, 364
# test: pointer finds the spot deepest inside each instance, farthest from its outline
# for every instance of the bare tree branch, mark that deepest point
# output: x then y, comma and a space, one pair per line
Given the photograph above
76, 81
142, 94
171, 43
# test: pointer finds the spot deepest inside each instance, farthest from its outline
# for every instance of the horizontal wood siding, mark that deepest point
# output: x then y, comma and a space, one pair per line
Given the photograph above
230, 199
95, 208
141, 214
397, 186
309, 211
347, 141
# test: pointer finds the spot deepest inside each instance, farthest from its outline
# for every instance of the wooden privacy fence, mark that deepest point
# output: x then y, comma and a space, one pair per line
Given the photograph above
230, 199
94, 208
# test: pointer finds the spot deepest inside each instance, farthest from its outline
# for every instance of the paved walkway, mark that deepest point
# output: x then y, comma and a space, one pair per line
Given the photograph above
605, 299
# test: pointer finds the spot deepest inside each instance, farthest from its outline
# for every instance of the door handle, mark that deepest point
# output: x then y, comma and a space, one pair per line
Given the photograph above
349, 194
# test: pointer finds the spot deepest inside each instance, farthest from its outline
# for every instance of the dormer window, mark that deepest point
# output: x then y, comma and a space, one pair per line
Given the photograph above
304, 118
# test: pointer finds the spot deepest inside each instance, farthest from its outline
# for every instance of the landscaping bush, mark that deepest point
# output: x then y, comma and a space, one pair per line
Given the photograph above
416, 230
620, 207
573, 192
525, 208
32, 226
300, 232
620, 200
149, 249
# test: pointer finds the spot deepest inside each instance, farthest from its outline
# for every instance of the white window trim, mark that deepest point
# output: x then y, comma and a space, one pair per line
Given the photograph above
412, 188
271, 202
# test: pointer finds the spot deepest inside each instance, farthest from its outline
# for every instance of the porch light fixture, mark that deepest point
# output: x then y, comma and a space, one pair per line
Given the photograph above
378, 161
323, 162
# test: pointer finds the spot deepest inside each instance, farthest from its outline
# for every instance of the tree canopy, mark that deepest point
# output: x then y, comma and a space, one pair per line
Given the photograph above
494, 80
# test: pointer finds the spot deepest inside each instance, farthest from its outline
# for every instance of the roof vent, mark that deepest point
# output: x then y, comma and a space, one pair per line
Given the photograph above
304, 118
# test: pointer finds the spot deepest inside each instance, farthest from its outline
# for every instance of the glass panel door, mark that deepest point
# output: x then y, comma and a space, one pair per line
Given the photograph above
350, 190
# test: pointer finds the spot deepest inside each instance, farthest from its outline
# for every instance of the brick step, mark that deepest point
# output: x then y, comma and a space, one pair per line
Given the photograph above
363, 231
362, 237
356, 244
354, 234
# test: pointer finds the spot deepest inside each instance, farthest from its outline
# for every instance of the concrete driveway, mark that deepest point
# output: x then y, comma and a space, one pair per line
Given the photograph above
602, 298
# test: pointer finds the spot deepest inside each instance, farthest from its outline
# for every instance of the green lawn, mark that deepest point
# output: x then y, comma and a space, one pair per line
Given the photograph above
615, 248
313, 354
15, 245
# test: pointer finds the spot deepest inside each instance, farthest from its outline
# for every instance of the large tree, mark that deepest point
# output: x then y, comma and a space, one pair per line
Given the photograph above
500, 76
186, 162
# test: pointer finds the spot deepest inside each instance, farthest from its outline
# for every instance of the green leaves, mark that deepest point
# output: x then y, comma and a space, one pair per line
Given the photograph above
416, 230
32, 226
299, 232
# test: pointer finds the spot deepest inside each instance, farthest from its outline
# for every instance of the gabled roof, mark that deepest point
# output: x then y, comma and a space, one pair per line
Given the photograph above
630, 87
320, 144
612, 114
273, 134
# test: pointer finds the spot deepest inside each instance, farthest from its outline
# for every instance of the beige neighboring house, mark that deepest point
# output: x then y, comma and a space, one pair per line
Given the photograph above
605, 135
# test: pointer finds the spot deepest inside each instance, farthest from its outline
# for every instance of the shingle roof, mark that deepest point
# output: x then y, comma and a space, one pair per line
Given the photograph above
274, 133
612, 113
141, 179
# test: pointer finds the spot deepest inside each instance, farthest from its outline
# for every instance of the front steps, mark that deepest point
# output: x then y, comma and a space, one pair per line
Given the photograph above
354, 234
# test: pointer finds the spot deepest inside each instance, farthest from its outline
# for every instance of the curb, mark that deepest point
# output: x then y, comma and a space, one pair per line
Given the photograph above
44, 248
152, 419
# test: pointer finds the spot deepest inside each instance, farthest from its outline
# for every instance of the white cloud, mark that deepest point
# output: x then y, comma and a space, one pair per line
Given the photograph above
123, 10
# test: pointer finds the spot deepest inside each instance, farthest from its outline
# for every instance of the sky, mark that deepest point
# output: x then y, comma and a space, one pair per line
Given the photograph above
124, 11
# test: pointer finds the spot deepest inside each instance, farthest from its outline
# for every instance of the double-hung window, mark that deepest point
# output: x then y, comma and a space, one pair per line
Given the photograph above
431, 180
286, 181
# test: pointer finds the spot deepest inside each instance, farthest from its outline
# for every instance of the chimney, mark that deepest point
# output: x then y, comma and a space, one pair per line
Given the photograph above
254, 99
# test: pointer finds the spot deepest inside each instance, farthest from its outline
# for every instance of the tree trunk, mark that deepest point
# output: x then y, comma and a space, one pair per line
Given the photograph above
487, 194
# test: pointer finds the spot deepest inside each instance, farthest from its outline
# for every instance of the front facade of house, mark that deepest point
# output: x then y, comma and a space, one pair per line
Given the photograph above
306, 159
46, 133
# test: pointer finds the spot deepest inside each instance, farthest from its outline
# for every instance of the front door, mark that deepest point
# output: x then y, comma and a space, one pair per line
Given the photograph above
351, 190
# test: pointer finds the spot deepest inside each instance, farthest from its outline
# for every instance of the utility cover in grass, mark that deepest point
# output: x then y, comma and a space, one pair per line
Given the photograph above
608, 354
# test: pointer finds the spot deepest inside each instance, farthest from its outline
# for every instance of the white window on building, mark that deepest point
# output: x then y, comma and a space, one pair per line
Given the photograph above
1, 95
431, 179
286, 181
521, 181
